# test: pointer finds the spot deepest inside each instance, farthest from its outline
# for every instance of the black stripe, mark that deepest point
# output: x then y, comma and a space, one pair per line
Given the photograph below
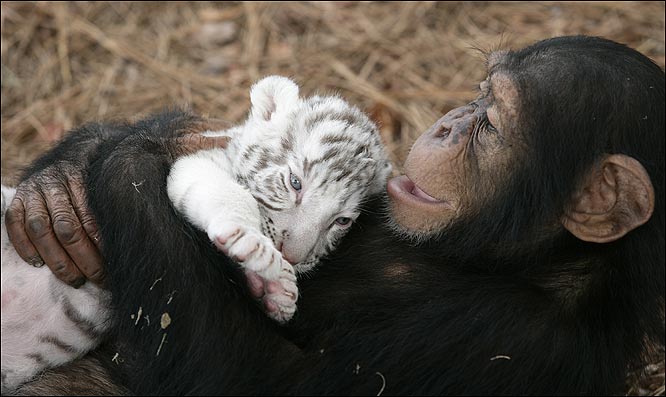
343, 175
287, 144
262, 202
332, 139
85, 326
38, 358
306, 167
250, 151
284, 185
330, 153
53, 340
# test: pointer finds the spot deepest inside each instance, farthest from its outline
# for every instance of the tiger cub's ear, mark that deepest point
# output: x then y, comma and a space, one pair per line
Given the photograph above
383, 170
272, 98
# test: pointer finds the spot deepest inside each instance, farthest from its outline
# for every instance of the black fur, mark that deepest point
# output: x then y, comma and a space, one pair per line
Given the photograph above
500, 304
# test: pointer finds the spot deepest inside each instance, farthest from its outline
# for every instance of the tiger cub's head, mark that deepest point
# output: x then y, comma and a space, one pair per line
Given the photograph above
310, 163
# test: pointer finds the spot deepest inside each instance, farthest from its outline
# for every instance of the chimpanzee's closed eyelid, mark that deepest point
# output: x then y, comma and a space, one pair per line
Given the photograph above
492, 116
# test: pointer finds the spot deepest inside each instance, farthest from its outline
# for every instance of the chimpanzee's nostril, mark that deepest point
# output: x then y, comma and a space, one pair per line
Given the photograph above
442, 131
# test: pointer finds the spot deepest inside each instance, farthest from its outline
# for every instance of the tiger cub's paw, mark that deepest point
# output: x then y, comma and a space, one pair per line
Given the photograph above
247, 246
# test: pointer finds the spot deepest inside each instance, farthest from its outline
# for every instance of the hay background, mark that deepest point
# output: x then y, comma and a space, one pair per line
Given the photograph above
405, 63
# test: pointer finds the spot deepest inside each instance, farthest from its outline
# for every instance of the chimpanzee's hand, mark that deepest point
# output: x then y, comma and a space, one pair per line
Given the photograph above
49, 221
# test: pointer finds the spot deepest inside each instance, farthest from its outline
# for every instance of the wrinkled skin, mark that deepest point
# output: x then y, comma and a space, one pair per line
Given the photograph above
49, 218
49, 221
468, 145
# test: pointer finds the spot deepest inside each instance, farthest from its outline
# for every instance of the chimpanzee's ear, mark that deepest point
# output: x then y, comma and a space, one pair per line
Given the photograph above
273, 96
615, 198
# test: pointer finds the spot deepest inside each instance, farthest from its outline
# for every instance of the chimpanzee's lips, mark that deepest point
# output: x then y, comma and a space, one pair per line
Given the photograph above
403, 188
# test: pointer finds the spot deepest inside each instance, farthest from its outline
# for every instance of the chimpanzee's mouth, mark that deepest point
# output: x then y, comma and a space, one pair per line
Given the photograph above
403, 188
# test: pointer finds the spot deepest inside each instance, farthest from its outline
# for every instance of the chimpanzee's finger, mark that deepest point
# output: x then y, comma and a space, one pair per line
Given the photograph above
80, 204
40, 232
15, 222
69, 230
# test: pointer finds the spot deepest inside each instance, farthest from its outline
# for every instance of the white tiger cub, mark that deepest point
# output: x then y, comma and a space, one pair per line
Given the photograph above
287, 187
45, 322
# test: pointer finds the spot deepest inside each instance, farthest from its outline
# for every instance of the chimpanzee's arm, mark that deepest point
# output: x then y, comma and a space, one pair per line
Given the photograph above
49, 221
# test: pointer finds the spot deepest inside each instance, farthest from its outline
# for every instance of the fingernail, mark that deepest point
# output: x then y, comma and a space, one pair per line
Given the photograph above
78, 282
36, 261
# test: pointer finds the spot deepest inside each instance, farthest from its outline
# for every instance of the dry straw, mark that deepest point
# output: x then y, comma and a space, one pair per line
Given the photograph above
405, 63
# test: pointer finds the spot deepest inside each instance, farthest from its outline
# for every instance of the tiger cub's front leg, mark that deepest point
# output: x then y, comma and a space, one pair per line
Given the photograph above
257, 254
247, 246
202, 188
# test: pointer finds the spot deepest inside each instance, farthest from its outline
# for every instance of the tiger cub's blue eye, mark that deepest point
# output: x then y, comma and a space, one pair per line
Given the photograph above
295, 182
343, 221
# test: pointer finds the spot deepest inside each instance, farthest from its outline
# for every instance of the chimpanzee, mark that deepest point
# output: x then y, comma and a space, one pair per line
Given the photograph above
523, 253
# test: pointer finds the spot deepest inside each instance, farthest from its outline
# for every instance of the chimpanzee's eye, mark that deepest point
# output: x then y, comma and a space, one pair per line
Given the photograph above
295, 182
491, 128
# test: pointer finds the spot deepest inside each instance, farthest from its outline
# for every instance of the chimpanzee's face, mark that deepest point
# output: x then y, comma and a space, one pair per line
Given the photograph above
457, 165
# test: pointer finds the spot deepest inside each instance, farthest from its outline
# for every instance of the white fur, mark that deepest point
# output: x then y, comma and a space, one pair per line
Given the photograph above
202, 187
273, 98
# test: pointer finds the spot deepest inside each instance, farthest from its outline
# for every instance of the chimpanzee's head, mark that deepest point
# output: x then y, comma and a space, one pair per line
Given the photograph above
567, 134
